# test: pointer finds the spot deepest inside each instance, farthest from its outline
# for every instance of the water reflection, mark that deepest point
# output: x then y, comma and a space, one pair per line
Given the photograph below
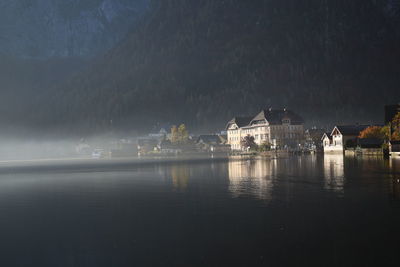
252, 177
394, 164
334, 172
180, 177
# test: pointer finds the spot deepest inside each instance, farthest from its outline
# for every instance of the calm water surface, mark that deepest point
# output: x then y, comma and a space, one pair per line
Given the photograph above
300, 211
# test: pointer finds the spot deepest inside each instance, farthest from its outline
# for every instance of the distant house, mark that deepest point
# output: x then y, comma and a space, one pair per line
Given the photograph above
161, 132
145, 145
211, 139
337, 140
212, 143
394, 148
326, 140
278, 127
166, 147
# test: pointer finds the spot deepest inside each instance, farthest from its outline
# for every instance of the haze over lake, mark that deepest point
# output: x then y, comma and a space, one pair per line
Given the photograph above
310, 210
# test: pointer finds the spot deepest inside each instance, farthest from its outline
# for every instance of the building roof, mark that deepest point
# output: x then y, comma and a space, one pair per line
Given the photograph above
209, 139
315, 130
314, 133
353, 130
272, 116
275, 116
326, 135
239, 121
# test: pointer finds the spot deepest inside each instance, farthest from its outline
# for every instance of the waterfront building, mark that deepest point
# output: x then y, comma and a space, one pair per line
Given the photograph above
337, 140
212, 143
281, 128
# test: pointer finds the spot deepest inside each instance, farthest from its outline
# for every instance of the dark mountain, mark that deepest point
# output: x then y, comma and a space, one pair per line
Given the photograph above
203, 62
43, 42
65, 28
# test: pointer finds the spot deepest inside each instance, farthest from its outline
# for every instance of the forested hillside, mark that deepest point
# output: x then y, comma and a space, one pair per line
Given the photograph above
25, 87
202, 62
65, 28
43, 42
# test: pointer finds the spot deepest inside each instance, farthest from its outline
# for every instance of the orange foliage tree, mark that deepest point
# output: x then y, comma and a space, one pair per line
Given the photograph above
396, 127
373, 132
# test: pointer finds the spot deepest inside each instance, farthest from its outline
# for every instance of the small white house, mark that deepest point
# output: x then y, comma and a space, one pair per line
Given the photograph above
340, 135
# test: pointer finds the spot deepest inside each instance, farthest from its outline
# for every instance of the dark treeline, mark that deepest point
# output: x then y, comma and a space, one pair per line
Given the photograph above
202, 62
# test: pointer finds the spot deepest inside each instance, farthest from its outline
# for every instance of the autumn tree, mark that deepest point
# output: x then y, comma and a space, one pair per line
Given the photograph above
386, 132
396, 127
396, 136
373, 132
179, 135
183, 134
174, 134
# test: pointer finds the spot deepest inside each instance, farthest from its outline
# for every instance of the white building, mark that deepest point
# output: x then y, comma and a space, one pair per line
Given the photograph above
340, 135
279, 128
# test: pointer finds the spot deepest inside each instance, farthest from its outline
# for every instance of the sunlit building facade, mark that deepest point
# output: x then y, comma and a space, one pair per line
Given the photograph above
277, 127
336, 141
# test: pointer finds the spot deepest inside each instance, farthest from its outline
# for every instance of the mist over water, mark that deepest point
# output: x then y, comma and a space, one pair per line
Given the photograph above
35, 148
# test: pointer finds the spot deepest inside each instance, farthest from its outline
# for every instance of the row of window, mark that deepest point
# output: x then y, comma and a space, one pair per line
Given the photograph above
335, 143
236, 146
265, 128
266, 136
261, 137
234, 138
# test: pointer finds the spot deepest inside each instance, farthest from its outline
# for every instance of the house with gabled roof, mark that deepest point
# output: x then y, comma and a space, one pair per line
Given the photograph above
280, 128
212, 143
326, 140
234, 131
340, 135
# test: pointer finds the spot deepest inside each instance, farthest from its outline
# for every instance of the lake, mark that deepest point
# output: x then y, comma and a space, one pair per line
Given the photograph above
297, 211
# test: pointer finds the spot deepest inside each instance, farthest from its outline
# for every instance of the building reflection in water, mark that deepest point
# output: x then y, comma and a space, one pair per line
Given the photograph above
250, 178
394, 164
180, 177
334, 178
